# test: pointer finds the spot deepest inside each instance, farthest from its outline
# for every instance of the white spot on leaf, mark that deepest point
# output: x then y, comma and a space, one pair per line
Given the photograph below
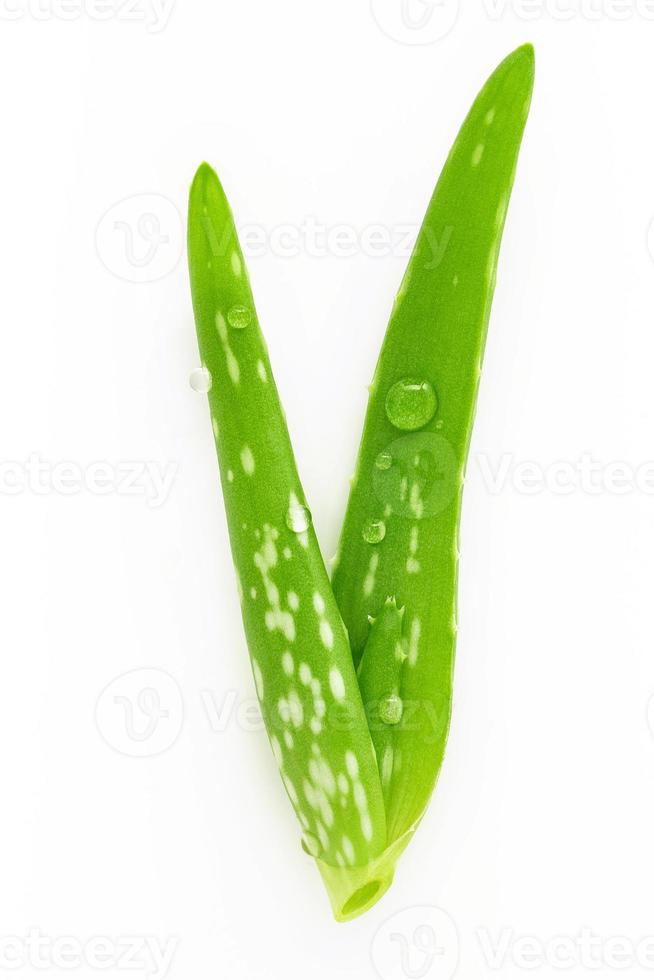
258, 679
326, 634
351, 764
247, 460
336, 683
293, 601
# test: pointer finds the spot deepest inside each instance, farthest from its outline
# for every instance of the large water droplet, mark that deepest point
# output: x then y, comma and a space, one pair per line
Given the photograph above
390, 709
374, 531
298, 518
200, 380
239, 317
384, 461
410, 404
310, 844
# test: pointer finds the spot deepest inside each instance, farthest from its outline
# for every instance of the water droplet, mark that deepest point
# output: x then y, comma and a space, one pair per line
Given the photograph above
410, 404
298, 518
439, 424
239, 317
374, 531
200, 380
390, 709
384, 461
310, 844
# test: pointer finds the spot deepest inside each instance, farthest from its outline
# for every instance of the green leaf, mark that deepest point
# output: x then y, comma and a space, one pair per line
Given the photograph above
301, 658
409, 473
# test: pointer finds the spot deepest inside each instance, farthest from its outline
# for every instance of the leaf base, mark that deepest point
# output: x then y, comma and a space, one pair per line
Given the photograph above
352, 891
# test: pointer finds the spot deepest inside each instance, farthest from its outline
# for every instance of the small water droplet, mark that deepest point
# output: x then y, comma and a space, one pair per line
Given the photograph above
439, 424
200, 380
410, 404
374, 531
239, 317
310, 844
384, 461
390, 709
298, 518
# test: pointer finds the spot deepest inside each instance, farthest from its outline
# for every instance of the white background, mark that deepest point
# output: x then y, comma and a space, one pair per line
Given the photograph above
343, 113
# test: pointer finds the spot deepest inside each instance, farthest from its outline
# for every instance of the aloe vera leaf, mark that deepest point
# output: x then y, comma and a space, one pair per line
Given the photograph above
380, 679
301, 659
409, 473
